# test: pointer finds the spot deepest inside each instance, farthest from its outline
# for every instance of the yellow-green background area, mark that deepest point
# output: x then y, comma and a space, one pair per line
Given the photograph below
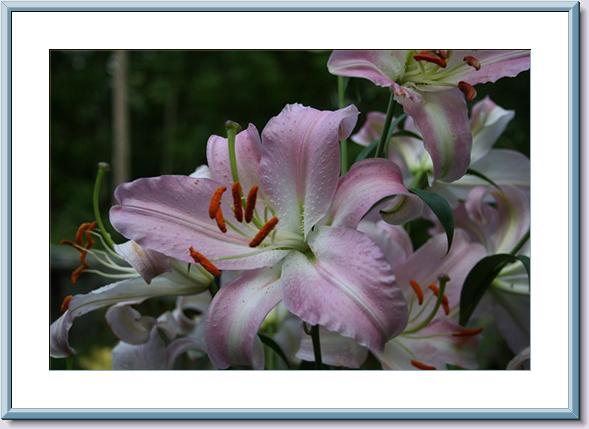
177, 99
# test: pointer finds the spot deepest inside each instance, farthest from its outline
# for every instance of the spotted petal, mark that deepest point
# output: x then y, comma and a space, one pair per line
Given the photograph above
235, 316
347, 286
300, 162
169, 214
495, 64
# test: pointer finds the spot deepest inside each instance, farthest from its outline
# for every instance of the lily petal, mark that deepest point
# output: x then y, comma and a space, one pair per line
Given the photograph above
128, 324
148, 263
202, 172
248, 152
520, 361
442, 119
148, 356
487, 122
381, 67
495, 64
130, 291
434, 346
335, 350
367, 183
169, 214
300, 162
393, 240
348, 287
235, 315
371, 130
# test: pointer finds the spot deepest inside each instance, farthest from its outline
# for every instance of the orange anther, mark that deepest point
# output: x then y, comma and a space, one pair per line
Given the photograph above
468, 90
430, 57
237, 208
445, 304
251, 203
86, 226
467, 332
216, 201
418, 291
473, 62
420, 365
201, 259
220, 220
77, 272
264, 231
65, 303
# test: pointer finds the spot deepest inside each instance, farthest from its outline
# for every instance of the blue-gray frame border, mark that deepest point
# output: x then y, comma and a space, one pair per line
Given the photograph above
571, 413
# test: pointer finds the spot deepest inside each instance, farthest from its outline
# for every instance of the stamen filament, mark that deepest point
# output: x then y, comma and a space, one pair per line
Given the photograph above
201, 259
444, 279
112, 276
264, 231
216, 201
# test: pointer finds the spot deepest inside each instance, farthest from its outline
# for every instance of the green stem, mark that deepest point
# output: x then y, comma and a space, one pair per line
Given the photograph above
387, 125
521, 243
232, 129
341, 91
316, 346
103, 168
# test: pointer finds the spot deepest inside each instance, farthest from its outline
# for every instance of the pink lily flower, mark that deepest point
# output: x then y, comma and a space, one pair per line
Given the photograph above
432, 337
292, 235
432, 87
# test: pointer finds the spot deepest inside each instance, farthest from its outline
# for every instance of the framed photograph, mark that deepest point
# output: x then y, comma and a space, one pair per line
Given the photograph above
265, 210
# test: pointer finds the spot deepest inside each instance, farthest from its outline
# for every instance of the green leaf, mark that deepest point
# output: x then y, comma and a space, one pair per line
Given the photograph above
269, 342
481, 176
441, 209
405, 133
480, 278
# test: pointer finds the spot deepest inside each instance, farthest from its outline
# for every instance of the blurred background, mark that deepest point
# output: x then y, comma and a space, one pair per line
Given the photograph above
149, 113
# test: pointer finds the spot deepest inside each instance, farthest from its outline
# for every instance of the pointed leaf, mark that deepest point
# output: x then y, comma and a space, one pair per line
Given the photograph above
480, 278
441, 209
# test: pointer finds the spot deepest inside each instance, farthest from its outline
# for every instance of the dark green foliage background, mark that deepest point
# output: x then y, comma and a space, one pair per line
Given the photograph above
177, 100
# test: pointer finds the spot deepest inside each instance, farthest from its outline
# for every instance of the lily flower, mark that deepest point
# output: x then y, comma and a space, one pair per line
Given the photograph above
431, 280
500, 220
432, 87
487, 123
294, 234
133, 288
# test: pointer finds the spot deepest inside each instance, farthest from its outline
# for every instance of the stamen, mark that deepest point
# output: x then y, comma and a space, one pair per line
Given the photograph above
467, 332
442, 53
86, 226
251, 204
65, 303
220, 220
76, 273
472, 61
201, 259
264, 231
216, 201
420, 365
468, 90
418, 291
445, 304
237, 208
430, 57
